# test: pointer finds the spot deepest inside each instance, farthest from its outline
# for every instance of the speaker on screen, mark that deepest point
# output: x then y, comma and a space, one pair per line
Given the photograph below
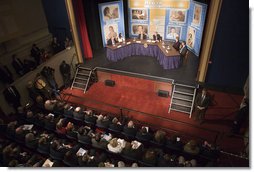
110, 83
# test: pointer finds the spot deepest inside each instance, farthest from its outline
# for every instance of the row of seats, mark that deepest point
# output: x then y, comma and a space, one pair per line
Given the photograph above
142, 146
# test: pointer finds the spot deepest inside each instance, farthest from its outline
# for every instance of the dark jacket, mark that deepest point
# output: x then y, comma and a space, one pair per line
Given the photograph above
176, 45
130, 131
144, 36
12, 95
65, 69
18, 66
200, 102
158, 37
184, 51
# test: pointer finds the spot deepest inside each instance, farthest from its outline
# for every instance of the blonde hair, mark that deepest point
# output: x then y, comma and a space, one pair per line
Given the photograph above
113, 142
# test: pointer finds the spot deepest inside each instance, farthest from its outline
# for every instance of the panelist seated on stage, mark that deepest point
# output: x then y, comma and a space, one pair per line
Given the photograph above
120, 38
141, 33
177, 44
112, 36
157, 37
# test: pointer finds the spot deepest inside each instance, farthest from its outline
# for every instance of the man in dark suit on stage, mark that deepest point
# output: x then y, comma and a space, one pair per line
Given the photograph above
65, 70
142, 35
177, 44
157, 36
183, 50
201, 103
12, 96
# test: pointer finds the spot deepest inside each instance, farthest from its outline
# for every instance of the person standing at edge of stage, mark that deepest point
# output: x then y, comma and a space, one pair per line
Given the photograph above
201, 103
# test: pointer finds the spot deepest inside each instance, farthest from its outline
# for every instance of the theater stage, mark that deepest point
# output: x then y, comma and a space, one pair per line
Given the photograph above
147, 65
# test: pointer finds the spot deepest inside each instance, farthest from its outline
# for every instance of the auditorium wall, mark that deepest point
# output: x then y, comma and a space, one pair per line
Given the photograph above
57, 18
54, 62
229, 67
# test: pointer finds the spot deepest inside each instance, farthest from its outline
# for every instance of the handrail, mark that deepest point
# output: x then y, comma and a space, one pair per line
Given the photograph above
134, 74
148, 114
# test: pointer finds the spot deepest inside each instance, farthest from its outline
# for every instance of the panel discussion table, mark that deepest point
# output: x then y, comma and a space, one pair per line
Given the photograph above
167, 56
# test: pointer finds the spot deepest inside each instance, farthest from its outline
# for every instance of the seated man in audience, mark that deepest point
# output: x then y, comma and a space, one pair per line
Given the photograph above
71, 130
143, 134
130, 129
160, 137
116, 125
78, 114
150, 157
101, 140
85, 134
165, 161
191, 147
50, 105
175, 143
90, 117
103, 121
177, 44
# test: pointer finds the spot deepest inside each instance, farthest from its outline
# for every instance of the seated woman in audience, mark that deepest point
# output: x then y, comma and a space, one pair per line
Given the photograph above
116, 125
50, 105
85, 134
150, 157
130, 129
61, 126
78, 114
175, 143
191, 147
160, 136
103, 121
71, 130
116, 145
143, 134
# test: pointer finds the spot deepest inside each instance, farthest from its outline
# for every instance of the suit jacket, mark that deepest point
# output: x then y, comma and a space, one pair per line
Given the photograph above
6, 75
158, 37
144, 36
184, 51
18, 65
65, 69
176, 45
202, 102
130, 131
12, 95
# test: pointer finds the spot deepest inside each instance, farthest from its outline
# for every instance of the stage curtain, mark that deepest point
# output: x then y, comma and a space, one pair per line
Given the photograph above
81, 22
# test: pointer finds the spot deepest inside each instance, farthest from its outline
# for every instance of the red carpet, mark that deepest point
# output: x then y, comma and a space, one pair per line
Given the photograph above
219, 116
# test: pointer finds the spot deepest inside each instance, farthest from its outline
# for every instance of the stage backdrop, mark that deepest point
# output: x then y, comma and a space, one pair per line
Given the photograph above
111, 16
170, 18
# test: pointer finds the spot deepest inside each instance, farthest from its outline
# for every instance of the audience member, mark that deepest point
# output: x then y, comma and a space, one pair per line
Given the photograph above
12, 96
35, 53
18, 65
6, 75
65, 70
130, 129
191, 147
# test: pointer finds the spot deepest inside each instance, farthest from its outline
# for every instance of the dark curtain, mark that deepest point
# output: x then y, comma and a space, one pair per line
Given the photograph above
81, 22
91, 10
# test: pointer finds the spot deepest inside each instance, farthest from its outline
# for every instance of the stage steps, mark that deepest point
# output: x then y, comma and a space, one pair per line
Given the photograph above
183, 98
82, 78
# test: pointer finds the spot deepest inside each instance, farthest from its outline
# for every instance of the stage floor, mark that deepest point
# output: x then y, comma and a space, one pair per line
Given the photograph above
147, 65
219, 116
